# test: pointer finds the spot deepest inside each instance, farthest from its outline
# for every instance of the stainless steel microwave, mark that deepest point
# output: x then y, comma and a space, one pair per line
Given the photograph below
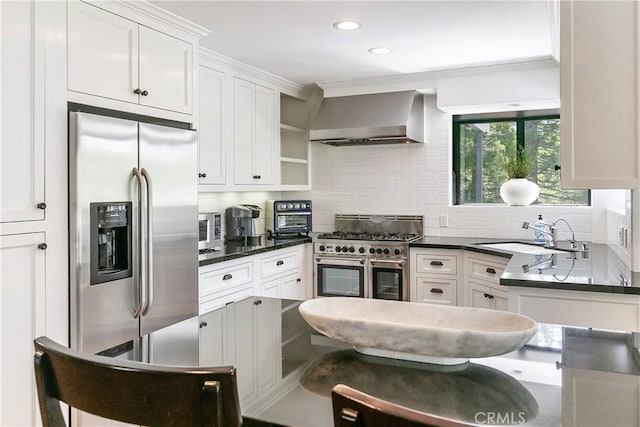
288, 217
209, 231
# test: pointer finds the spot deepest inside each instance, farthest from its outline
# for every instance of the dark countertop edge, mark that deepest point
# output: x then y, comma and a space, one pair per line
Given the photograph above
468, 244
608, 289
236, 255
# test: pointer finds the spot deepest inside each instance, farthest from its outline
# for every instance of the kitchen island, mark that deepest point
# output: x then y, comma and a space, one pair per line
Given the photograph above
563, 376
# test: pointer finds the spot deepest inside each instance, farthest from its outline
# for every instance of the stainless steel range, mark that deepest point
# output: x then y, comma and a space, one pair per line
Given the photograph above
366, 257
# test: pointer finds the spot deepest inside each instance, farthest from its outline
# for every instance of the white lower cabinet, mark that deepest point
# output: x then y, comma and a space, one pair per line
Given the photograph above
256, 358
582, 398
434, 275
597, 310
22, 318
482, 287
480, 295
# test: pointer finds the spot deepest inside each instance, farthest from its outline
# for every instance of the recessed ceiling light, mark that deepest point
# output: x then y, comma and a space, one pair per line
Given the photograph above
380, 50
347, 25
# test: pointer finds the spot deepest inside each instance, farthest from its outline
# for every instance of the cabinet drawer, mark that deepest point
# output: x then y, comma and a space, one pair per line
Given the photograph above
489, 271
435, 290
225, 278
436, 263
212, 302
279, 264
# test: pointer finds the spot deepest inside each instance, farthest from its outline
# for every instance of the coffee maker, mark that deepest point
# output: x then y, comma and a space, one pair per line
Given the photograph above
240, 221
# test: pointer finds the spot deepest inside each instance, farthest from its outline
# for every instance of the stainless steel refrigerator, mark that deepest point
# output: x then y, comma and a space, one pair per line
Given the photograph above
133, 227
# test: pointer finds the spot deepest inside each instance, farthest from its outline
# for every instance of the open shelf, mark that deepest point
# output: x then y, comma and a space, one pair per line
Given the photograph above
294, 141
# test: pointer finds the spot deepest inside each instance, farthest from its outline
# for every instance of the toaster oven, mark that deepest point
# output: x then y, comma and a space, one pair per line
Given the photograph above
288, 217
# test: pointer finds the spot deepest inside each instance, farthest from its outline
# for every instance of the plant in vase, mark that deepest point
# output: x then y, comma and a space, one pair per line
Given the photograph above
519, 190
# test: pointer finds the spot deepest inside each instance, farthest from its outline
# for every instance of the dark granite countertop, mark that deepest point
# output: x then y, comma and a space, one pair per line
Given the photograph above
233, 250
597, 269
563, 376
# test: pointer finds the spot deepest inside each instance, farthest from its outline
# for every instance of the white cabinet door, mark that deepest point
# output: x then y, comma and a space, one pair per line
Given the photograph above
166, 71
291, 287
22, 318
599, 92
102, 53
245, 351
22, 146
264, 144
266, 343
243, 131
478, 295
211, 129
214, 336
113, 57
253, 133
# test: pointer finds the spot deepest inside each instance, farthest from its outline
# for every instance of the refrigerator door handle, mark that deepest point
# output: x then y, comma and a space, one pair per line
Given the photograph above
149, 242
140, 278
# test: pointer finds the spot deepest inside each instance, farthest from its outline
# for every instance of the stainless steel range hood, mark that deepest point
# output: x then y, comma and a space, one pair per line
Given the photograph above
380, 118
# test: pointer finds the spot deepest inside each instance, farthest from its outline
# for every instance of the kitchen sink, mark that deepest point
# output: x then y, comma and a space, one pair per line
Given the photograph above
523, 248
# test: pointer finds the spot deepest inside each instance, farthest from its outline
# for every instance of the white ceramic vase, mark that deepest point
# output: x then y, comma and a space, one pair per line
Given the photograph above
519, 192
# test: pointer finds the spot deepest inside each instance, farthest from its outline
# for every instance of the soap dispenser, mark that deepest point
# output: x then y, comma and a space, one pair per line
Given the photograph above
540, 225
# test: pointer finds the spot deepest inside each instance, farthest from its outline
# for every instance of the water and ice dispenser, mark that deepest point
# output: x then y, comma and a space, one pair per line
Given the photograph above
111, 243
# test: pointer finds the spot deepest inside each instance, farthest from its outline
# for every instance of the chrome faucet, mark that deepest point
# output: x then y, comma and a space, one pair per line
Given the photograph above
553, 232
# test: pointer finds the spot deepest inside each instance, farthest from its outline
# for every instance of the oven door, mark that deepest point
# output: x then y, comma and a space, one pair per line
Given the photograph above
388, 279
339, 277
293, 222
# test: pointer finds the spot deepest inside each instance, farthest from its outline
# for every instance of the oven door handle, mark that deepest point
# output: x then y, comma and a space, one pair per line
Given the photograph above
341, 260
385, 261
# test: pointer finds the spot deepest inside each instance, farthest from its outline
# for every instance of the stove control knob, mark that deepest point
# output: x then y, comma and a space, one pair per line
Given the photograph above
338, 249
352, 249
397, 251
379, 250
372, 251
386, 251
345, 249
361, 250
321, 248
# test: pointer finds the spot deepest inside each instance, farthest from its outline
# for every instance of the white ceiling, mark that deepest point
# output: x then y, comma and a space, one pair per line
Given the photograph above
296, 39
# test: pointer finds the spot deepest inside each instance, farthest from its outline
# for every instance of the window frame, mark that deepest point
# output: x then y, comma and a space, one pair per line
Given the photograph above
519, 117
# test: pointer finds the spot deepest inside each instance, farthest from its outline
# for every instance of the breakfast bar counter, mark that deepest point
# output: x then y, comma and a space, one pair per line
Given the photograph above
562, 376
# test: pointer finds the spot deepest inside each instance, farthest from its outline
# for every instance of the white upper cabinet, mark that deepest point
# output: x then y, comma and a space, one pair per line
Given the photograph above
253, 133
211, 130
599, 94
22, 148
113, 57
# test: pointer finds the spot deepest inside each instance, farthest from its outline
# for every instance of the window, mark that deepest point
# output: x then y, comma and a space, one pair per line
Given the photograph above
481, 144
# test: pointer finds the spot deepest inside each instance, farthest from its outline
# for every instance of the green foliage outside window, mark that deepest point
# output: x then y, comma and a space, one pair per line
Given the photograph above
483, 146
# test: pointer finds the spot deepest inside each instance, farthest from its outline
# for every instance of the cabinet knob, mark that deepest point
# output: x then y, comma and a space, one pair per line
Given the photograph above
491, 270
203, 324
488, 296
257, 302
144, 93
298, 280
557, 167
202, 175
259, 176
42, 246
41, 205
137, 91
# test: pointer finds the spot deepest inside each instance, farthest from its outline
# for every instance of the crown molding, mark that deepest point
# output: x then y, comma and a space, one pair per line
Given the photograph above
427, 81
145, 13
207, 57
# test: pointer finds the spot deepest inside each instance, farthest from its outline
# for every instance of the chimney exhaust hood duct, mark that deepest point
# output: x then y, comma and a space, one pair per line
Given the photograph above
380, 118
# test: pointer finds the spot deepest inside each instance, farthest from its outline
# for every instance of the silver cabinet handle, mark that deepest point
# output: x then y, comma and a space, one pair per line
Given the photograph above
386, 261
140, 279
149, 241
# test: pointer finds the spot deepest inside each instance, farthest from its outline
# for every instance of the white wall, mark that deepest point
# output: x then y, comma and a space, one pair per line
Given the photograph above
415, 179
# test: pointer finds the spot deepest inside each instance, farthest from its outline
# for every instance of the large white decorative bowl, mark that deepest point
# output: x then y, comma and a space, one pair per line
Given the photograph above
420, 332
